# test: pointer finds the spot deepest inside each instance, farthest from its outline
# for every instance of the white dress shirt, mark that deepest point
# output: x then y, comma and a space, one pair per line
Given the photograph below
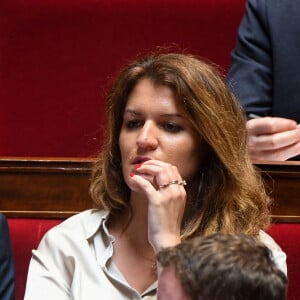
73, 261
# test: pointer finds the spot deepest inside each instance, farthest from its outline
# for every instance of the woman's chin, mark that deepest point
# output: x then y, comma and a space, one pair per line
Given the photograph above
135, 188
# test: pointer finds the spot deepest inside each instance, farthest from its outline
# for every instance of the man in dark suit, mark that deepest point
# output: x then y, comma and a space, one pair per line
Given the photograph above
7, 267
264, 75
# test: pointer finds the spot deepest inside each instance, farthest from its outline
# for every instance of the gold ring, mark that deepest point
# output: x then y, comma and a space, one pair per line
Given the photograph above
173, 182
164, 185
183, 182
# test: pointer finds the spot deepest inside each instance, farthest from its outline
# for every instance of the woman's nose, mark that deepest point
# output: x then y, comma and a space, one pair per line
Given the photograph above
148, 135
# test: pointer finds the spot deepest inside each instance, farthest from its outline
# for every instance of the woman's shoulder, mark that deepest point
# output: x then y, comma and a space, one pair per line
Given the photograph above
77, 227
278, 255
85, 217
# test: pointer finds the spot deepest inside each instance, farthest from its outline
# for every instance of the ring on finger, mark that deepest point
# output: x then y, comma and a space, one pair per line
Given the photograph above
173, 182
183, 182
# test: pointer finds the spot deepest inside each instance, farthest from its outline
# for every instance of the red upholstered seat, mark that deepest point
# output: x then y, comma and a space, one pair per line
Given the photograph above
25, 236
287, 235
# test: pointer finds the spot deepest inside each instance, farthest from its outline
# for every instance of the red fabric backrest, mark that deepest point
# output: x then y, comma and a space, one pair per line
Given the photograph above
58, 58
25, 236
287, 235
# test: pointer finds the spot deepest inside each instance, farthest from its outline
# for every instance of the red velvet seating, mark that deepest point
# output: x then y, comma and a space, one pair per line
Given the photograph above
25, 236
287, 235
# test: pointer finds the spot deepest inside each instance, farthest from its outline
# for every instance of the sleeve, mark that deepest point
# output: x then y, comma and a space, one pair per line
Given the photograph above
279, 256
50, 270
250, 72
7, 266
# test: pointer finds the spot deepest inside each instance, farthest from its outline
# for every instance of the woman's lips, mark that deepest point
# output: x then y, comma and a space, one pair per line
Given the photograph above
140, 159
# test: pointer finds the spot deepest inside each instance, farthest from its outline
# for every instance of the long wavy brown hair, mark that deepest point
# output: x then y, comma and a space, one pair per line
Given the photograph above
227, 195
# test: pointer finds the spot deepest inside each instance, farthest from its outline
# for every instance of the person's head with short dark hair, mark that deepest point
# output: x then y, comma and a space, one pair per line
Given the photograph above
220, 266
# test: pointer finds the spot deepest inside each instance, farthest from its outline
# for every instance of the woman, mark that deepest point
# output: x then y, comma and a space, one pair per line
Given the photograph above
174, 165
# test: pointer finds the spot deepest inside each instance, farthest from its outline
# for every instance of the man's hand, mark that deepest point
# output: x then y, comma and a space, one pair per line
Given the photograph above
273, 138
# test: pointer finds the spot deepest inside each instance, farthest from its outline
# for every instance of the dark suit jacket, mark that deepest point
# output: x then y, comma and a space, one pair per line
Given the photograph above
265, 67
7, 267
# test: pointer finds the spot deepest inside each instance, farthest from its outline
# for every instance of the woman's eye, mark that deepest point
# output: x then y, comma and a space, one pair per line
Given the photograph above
172, 127
132, 124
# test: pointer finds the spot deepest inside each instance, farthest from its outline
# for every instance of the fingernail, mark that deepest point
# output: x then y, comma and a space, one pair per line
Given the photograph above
131, 174
138, 165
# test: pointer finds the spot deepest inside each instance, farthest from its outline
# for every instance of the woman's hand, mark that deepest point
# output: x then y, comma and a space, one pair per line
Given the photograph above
166, 202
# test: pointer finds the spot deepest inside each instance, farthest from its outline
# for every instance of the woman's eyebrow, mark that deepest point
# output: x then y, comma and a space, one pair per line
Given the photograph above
177, 115
138, 113
133, 112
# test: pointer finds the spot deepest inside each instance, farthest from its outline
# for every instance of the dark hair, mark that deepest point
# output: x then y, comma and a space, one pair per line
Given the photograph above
227, 194
227, 267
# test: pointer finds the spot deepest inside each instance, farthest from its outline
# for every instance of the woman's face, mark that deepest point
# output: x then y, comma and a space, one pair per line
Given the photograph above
154, 128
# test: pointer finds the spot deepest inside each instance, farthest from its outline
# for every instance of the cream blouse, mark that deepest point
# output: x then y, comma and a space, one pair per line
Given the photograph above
74, 261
